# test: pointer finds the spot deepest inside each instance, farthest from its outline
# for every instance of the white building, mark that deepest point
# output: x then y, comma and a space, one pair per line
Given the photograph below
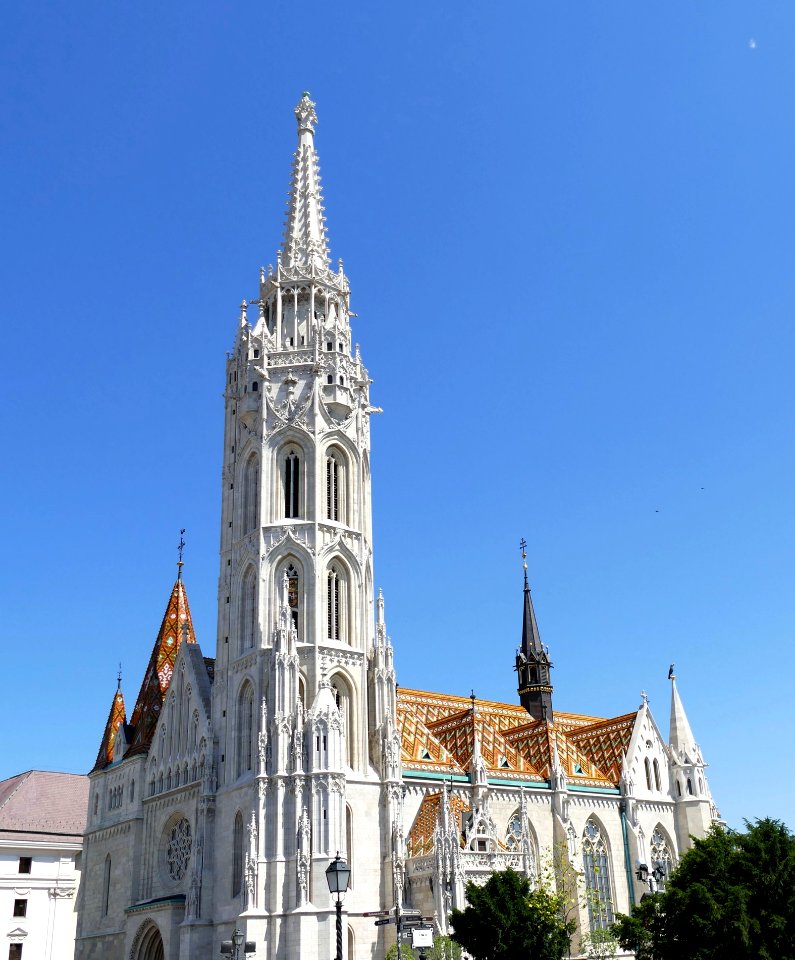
42, 819
236, 779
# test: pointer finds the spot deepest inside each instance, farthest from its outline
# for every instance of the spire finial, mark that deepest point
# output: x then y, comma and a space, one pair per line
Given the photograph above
472, 697
671, 674
305, 115
644, 697
118, 680
180, 548
523, 548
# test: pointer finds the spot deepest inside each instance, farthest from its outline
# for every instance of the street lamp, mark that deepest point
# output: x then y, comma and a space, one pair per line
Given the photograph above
653, 877
338, 873
238, 946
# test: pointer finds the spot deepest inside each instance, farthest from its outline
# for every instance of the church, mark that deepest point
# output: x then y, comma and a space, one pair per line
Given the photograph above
219, 801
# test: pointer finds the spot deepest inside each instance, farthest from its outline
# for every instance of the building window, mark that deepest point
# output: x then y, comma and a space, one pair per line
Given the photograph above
689, 786
20, 908
245, 730
15, 951
657, 780
647, 765
250, 494
106, 887
25, 864
292, 484
335, 603
596, 868
293, 591
661, 856
237, 855
335, 489
248, 610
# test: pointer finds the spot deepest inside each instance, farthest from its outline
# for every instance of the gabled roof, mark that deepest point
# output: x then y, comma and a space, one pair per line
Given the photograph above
438, 734
420, 838
177, 625
44, 803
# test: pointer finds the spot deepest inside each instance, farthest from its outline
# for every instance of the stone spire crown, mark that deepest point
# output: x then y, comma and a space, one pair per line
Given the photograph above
681, 738
305, 248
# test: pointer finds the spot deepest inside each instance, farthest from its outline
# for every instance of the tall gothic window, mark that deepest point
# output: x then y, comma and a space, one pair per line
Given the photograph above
661, 856
657, 780
647, 766
335, 603
250, 494
237, 855
335, 489
248, 610
344, 699
245, 730
292, 484
106, 887
293, 593
596, 867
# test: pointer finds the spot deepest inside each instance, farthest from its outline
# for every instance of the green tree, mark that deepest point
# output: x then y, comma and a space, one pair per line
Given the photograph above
506, 920
732, 895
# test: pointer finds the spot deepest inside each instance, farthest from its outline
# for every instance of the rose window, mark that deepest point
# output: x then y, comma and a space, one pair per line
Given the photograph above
178, 850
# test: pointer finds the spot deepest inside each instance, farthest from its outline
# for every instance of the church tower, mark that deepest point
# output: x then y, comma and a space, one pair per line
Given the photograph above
532, 661
296, 740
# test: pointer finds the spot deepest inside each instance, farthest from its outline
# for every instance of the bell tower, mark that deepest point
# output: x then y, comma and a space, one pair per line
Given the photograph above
533, 666
295, 602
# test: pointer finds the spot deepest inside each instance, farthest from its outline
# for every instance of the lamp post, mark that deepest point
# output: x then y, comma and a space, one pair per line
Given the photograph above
338, 873
238, 946
651, 877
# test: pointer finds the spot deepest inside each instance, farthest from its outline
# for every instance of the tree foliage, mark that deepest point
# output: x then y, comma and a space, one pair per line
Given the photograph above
505, 920
732, 895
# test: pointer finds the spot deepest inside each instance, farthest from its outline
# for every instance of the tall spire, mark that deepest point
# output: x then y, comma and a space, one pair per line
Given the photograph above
532, 660
305, 246
681, 738
176, 628
116, 717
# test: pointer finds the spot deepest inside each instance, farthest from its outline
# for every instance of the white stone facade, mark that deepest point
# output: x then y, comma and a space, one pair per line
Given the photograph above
293, 744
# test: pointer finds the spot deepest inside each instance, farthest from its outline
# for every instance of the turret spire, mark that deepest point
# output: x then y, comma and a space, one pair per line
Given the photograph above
681, 738
117, 716
305, 246
532, 660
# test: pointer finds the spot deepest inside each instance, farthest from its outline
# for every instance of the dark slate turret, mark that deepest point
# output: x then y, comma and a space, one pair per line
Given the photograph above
533, 665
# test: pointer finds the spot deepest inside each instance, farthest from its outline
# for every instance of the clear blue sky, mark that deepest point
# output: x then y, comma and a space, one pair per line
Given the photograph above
569, 232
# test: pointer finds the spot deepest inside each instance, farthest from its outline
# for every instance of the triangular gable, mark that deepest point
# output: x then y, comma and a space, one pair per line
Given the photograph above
419, 841
605, 743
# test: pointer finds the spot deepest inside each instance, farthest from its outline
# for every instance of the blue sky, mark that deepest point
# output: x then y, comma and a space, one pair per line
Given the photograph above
569, 233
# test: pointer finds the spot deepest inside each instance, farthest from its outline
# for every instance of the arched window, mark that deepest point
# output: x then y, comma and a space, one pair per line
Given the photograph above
657, 781
245, 730
106, 887
292, 484
132, 790
678, 788
647, 765
237, 855
661, 856
336, 597
344, 698
248, 610
689, 786
293, 593
194, 731
335, 486
251, 493
596, 867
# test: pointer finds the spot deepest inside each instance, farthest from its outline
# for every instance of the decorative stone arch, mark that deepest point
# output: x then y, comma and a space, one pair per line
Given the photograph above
298, 557
339, 592
291, 470
148, 943
345, 693
521, 837
176, 850
662, 851
246, 611
249, 482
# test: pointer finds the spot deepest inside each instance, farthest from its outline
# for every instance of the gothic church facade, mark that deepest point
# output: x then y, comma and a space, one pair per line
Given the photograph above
222, 798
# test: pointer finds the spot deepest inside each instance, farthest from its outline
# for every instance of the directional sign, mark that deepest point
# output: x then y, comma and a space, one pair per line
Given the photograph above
376, 913
411, 912
383, 920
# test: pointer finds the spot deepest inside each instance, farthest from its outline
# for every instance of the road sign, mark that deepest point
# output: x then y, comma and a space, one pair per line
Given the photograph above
383, 920
376, 913
411, 912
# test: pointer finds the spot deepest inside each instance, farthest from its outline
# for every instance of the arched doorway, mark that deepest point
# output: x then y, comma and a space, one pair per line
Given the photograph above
150, 944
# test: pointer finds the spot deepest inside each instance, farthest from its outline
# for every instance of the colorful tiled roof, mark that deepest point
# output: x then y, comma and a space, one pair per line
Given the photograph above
438, 734
420, 838
116, 717
176, 626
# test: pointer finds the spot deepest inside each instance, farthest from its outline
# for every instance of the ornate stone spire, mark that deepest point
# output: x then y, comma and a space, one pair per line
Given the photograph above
305, 248
681, 738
